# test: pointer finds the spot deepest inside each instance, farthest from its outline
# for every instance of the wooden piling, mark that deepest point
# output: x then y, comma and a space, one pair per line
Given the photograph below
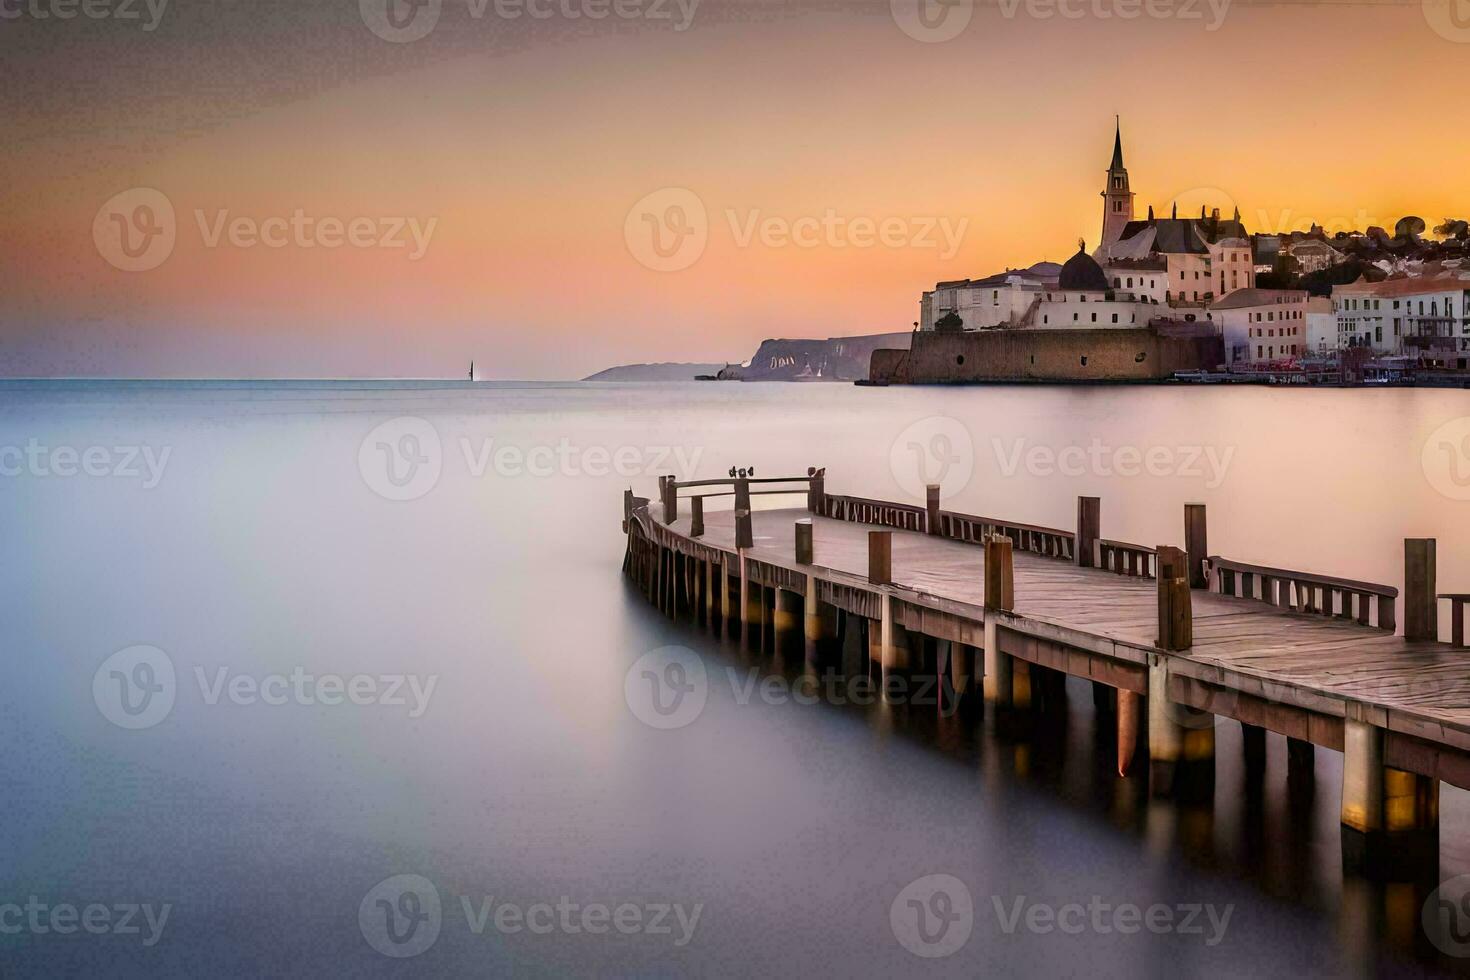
696, 517
880, 557
816, 489
1196, 544
804, 542
1176, 626
931, 508
1129, 715
669, 490
1089, 529
1421, 607
1000, 576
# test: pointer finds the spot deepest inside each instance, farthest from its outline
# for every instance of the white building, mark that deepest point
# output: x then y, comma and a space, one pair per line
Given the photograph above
1085, 299
1321, 326
1000, 300
1405, 315
1262, 325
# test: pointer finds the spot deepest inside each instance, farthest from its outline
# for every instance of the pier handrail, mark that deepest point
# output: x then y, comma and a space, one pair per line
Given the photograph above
867, 510
1238, 578
1051, 542
1127, 558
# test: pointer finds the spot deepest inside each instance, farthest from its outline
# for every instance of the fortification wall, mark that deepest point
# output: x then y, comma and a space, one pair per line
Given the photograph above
1045, 355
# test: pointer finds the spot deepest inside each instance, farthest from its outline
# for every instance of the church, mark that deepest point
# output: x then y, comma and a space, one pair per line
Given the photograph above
1142, 269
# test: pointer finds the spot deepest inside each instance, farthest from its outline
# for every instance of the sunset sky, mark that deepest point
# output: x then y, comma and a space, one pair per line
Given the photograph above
519, 147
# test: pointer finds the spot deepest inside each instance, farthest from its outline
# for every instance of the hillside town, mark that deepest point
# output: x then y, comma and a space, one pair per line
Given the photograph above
1360, 305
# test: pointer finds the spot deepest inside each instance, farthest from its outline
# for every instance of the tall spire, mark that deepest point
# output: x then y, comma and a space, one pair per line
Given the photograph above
1117, 163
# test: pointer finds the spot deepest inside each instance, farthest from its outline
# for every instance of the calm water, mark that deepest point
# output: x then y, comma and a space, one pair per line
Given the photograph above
262, 558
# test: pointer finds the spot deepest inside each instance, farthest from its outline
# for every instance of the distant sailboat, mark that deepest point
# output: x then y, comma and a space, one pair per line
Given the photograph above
472, 370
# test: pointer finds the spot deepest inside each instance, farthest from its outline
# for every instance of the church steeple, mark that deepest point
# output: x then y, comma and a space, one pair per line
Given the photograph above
1117, 197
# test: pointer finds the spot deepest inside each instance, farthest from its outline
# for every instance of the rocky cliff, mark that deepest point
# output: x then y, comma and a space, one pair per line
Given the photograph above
833, 359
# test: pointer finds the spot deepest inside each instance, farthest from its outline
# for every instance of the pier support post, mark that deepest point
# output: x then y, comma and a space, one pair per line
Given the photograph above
1253, 744
961, 672
931, 508
1388, 815
714, 577
1181, 740
1000, 587
816, 626
1421, 609
1196, 544
1089, 529
1130, 716
786, 615
804, 553
1176, 625
696, 517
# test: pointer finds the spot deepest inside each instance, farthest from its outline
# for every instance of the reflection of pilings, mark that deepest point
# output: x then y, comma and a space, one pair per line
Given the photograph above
1390, 818
1181, 741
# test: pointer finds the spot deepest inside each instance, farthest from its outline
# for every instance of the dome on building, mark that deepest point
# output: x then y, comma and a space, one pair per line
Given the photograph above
1081, 272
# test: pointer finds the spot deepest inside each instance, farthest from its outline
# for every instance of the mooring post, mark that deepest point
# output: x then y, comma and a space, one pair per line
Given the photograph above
931, 508
1089, 528
1421, 608
816, 490
670, 492
804, 541
696, 517
1176, 626
1196, 544
1000, 587
880, 557
744, 534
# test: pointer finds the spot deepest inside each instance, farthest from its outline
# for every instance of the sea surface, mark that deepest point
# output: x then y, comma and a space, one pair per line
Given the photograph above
271, 646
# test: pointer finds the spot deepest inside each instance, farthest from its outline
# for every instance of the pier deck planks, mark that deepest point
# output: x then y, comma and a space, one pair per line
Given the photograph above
1423, 688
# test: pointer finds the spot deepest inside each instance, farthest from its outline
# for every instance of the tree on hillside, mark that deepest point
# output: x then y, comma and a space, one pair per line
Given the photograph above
949, 323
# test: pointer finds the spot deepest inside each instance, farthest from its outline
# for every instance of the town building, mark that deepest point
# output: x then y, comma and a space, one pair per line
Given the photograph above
994, 301
1321, 326
1261, 326
1405, 315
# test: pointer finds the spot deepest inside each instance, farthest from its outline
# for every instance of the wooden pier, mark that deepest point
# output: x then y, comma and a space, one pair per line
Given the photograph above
1172, 637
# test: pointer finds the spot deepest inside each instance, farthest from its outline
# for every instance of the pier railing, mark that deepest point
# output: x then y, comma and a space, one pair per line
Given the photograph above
1050, 542
1306, 592
1365, 603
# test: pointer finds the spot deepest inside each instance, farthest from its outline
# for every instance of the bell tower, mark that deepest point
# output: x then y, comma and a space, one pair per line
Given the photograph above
1117, 198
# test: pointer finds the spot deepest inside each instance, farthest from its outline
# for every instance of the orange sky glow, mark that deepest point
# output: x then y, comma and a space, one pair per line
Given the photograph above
524, 154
